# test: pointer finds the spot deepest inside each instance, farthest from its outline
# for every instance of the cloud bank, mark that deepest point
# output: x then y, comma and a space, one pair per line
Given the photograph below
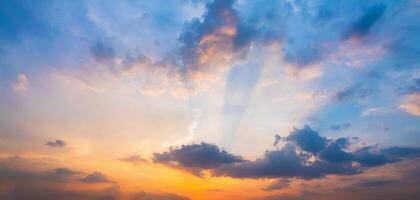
305, 154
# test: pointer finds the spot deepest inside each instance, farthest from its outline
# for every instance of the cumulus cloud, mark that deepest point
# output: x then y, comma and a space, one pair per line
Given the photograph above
307, 139
287, 163
56, 143
196, 157
305, 155
208, 40
334, 152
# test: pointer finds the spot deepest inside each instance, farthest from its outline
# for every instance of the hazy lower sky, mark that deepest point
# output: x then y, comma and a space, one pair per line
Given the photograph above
209, 99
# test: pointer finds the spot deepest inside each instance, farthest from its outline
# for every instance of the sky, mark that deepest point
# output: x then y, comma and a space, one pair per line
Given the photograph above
209, 99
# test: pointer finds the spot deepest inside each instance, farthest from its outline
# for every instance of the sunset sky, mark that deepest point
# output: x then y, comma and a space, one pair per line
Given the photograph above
209, 99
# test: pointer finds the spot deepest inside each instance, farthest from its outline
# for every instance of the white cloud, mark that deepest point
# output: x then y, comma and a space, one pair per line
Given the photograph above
21, 83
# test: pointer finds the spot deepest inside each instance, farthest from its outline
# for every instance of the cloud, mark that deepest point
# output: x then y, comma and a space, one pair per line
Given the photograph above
414, 87
20, 181
375, 183
24, 191
56, 175
368, 184
401, 152
339, 127
66, 171
286, 163
307, 139
305, 155
277, 140
103, 52
378, 188
155, 196
334, 152
278, 185
196, 157
21, 83
56, 143
352, 92
96, 177
136, 159
368, 156
411, 104
362, 26
208, 40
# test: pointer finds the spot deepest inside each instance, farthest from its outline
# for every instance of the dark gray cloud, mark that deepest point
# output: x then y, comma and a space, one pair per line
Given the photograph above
401, 152
305, 155
155, 196
25, 183
25, 191
369, 158
334, 152
307, 139
96, 177
278, 185
33, 191
277, 139
66, 171
196, 156
377, 188
368, 184
56, 143
363, 25
375, 183
304, 195
338, 127
56, 175
286, 162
